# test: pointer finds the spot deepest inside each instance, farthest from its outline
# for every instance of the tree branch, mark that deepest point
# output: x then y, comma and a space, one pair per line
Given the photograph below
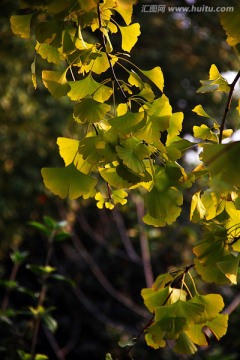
83, 252
227, 108
146, 257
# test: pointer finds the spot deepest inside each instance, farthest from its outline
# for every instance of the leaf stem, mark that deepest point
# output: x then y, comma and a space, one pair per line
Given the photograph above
227, 108
109, 58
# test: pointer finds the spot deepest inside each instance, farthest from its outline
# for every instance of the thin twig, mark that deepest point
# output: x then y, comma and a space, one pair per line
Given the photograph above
227, 108
124, 300
42, 296
124, 236
97, 237
109, 58
146, 257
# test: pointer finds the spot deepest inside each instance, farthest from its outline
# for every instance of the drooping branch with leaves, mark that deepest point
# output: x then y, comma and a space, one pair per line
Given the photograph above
129, 140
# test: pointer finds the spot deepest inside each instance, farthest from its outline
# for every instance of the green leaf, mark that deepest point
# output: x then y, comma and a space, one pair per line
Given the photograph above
131, 160
37, 225
213, 304
184, 345
111, 176
161, 281
153, 299
230, 22
50, 323
127, 123
18, 257
147, 93
159, 115
135, 80
175, 127
197, 335
156, 76
163, 206
20, 25
55, 82
130, 35
108, 357
69, 151
197, 211
126, 343
50, 32
218, 326
205, 133
68, 181
201, 112
125, 11
48, 52
95, 150
90, 110
215, 83
229, 267
223, 163
40, 270
154, 336
88, 86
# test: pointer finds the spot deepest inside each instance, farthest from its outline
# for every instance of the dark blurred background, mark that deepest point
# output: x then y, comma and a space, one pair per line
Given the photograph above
107, 257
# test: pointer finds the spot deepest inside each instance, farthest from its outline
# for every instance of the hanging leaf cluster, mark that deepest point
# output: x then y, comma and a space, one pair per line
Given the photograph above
129, 138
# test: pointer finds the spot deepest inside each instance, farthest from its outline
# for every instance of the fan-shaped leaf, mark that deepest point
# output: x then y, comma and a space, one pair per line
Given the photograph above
156, 76
20, 25
68, 181
130, 35
90, 110
55, 82
88, 86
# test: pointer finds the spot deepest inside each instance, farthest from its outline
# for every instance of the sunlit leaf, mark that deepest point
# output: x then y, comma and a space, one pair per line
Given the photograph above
68, 149
175, 126
196, 334
111, 176
127, 123
156, 76
48, 52
215, 83
130, 159
90, 110
218, 326
68, 181
88, 86
213, 304
153, 299
130, 35
200, 111
55, 82
205, 133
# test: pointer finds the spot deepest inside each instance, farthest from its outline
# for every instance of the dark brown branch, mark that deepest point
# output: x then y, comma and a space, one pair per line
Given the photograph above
227, 108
